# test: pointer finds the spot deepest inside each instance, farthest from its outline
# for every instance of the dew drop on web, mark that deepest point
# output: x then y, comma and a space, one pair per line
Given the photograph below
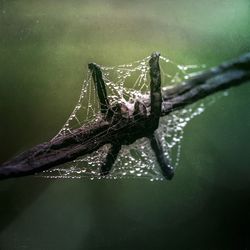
128, 82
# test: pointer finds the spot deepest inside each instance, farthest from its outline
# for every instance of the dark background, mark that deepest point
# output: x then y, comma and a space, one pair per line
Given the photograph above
45, 47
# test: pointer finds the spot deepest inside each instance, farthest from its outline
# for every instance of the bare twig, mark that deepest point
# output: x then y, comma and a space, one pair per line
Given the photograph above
100, 87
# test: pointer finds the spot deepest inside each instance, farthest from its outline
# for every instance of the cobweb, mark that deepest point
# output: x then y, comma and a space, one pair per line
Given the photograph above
127, 83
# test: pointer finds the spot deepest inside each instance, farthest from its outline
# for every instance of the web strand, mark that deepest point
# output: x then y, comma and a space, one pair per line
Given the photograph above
127, 83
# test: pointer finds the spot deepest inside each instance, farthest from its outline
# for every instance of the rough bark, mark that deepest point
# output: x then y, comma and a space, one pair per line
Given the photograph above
89, 138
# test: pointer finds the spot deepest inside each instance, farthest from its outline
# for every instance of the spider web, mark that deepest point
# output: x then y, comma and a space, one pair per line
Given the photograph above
127, 83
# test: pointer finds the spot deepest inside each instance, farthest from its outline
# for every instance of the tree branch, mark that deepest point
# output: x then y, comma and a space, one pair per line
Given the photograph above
92, 136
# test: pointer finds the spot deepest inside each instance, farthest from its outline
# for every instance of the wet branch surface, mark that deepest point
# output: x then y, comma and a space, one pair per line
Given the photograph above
126, 130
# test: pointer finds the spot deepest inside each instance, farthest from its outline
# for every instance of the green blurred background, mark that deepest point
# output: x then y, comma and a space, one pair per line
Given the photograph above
44, 50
